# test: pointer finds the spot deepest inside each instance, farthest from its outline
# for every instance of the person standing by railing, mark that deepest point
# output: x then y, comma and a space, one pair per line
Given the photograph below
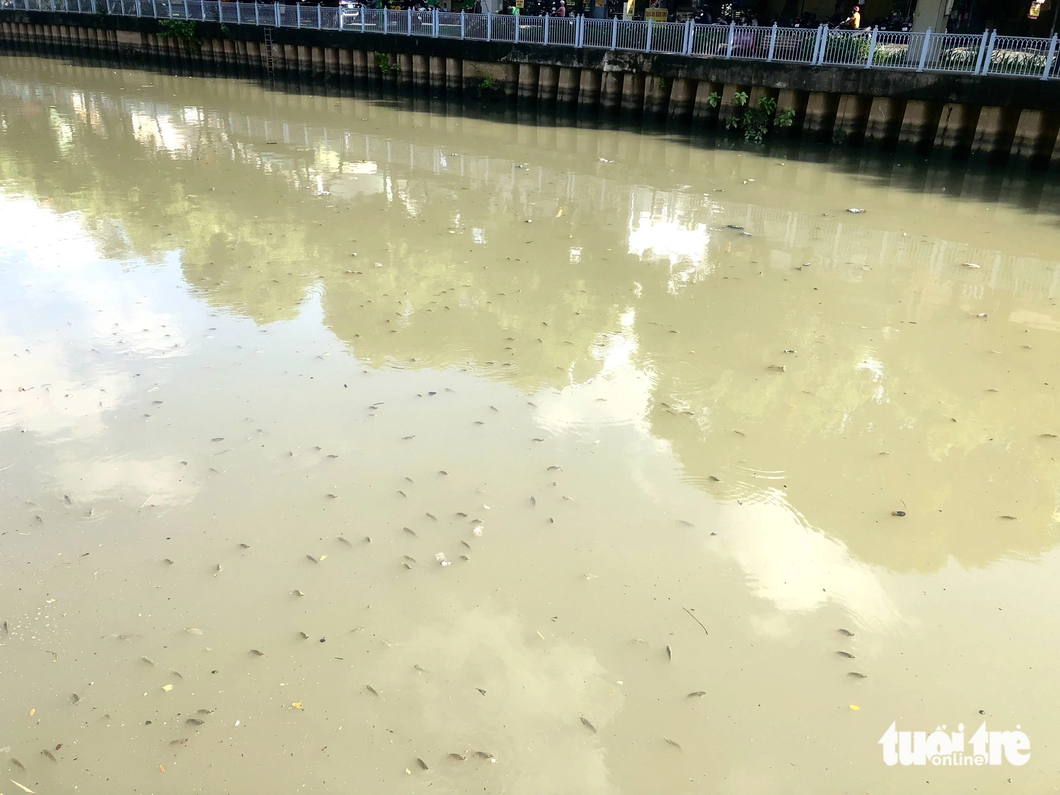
854, 20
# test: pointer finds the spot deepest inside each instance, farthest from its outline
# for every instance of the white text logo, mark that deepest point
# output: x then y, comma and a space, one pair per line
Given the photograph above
939, 748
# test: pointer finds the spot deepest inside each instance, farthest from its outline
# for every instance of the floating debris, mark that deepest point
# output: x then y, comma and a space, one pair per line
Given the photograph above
856, 210
694, 616
477, 530
440, 557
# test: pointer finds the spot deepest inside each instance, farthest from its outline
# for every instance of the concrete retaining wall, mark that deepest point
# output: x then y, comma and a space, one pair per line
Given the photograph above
1003, 120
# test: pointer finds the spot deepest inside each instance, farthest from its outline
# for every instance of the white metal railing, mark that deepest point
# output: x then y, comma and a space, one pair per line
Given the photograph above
985, 54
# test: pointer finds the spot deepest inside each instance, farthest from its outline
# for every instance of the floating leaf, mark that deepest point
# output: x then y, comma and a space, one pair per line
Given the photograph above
297, 705
167, 688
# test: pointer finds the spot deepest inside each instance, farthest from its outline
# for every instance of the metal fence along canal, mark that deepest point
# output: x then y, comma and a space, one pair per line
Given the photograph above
985, 54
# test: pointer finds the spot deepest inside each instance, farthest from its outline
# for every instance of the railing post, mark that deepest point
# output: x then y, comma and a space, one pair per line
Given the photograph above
773, 42
239, 14
989, 53
386, 20
489, 26
1049, 58
516, 28
728, 44
434, 22
924, 50
686, 48
982, 51
297, 14
581, 30
647, 39
872, 49
257, 13
546, 28
614, 32
320, 17
818, 49
463, 24
154, 8
408, 21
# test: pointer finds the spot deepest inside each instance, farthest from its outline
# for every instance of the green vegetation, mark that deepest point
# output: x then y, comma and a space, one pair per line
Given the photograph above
179, 29
386, 66
755, 121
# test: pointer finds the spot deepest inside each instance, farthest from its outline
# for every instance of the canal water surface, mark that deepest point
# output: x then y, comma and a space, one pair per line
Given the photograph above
350, 445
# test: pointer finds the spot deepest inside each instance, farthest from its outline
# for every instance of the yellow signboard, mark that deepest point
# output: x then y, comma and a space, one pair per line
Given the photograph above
655, 14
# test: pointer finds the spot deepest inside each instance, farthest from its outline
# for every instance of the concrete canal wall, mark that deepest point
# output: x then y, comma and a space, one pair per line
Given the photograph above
1001, 119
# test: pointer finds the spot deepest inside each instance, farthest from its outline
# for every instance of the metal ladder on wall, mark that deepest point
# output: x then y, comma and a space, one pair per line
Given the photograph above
269, 62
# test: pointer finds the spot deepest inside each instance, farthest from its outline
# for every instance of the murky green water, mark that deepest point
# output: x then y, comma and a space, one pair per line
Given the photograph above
655, 404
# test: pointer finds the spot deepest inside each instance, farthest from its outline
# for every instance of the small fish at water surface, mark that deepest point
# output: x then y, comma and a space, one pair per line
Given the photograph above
49, 754
897, 513
194, 722
696, 694
257, 653
345, 541
409, 530
422, 764
846, 632
846, 654
674, 743
669, 652
181, 741
587, 724
858, 675
372, 690
17, 764
458, 757
148, 660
